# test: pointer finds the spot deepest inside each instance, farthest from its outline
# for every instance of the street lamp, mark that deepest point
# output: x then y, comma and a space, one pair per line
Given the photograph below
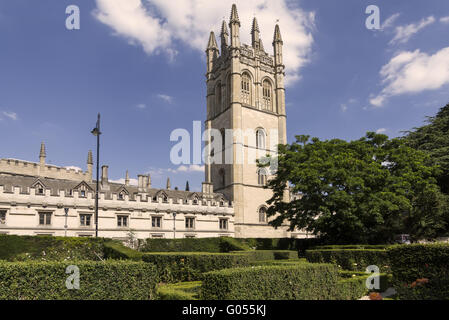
66, 211
96, 132
174, 225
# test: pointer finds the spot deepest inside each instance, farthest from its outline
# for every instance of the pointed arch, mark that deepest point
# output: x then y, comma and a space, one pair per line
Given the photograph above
261, 138
262, 176
267, 94
262, 211
246, 88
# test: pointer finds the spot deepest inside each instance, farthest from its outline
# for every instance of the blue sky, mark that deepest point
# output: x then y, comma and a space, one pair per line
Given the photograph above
143, 69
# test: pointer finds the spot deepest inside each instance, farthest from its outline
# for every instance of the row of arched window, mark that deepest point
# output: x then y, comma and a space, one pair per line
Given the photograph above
223, 96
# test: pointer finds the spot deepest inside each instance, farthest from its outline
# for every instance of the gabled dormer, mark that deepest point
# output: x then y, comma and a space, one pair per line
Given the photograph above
39, 187
122, 192
83, 188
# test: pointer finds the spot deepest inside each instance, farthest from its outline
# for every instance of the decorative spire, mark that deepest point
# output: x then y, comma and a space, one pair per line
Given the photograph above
255, 26
255, 34
90, 158
277, 35
168, 184
127, 178
42, 154
224, 29
212, 45
187, 186
234, 15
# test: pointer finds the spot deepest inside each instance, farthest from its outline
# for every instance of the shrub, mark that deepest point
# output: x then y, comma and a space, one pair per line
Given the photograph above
189, 266
351, 246
46, 248
179, 291
264, 255
111, 280
351, 259
216, 245
116, 250
295, 282
420, 271
278, 262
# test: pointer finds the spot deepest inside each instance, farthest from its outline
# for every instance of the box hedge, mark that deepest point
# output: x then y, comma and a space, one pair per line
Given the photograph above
295, 282
116, 250
179, 291
263, 255
223, 244
189, 266
351, 259
47, 248
111, 280
420, 271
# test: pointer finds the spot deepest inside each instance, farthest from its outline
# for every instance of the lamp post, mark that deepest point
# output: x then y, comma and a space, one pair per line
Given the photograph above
66, 211
96, 132
174, 225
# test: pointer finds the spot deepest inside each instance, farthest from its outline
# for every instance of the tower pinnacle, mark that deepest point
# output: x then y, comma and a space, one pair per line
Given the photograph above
234, 15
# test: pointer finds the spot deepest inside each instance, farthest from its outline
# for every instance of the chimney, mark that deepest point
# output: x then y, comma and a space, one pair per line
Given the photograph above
141, 182
42, 155
104, 175
148, 182
90, 165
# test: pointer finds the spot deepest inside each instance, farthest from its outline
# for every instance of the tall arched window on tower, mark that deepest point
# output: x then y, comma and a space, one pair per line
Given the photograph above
260, 139
263, 214
228, 92
221, 173
218, 101
246, 88
267, 101
262, 176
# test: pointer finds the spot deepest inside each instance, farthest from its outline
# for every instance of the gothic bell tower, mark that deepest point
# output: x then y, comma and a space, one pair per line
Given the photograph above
246, 105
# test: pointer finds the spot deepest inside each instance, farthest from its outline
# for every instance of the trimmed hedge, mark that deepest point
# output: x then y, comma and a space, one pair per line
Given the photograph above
224, 244
116, 250
279, 262
47, 248
179, 291
263, 255
420, 271
189, 266
111, 280
352, 246
351, 259
296, 282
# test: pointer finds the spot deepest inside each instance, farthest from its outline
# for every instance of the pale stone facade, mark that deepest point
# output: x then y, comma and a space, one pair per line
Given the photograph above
33, 198
245, 91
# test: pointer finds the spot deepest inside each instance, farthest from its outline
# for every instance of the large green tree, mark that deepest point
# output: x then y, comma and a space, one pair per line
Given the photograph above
363, 191
434, 139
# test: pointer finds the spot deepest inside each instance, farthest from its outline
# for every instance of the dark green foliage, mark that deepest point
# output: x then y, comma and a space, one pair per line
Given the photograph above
352, 246
351, 259
116, 250
46, 248
262, 255
296, 282
189, 266
434, 139
283, 255
179, 291
363, 191
193, 245
410, 263
111, 280
278, 262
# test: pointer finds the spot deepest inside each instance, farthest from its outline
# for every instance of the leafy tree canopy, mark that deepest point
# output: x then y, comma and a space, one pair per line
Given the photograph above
363, 191
434, 139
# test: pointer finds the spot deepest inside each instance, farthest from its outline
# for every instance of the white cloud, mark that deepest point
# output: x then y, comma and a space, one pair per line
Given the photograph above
141, 106
132, 182
381, 130
444, 19
404, 33
157, 25
191, 168
388, 23
413, 72
74, 168
10, 115
165, 98
344, 107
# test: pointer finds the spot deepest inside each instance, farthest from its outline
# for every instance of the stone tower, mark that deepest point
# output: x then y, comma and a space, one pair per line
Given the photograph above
246, 116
